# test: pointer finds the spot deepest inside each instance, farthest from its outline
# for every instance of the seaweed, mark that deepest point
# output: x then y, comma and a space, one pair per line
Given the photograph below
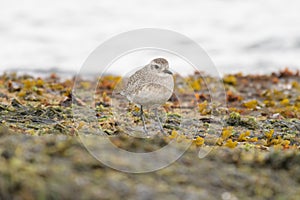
255, 139
40, 106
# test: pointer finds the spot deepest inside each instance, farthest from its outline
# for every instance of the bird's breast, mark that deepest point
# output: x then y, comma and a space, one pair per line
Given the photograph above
154, 92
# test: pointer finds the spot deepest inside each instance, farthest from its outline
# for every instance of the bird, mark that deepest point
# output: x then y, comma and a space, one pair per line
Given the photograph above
150, 87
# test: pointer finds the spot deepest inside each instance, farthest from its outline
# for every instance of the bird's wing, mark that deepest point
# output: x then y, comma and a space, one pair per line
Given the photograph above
135, 81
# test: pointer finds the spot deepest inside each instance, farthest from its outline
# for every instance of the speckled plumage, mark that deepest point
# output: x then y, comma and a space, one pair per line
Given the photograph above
161, 61
152, 85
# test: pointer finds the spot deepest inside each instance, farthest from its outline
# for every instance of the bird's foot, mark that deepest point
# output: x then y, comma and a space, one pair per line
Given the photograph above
162, 129
159, 123
145, 131
136, 114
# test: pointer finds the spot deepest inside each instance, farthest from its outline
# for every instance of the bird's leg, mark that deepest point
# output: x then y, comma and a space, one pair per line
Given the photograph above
159, 123
143, 118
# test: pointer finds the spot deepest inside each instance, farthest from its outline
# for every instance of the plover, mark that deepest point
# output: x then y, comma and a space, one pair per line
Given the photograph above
150, 87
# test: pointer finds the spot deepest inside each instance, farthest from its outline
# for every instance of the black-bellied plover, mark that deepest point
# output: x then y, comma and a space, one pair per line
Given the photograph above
150, 87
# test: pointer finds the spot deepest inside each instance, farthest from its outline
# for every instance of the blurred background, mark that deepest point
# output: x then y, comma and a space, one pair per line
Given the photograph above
251, 36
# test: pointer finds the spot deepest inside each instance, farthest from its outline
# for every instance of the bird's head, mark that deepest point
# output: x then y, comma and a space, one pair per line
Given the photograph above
161, 66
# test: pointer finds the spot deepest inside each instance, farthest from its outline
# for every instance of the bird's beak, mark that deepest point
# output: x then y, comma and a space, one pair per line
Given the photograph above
168, 71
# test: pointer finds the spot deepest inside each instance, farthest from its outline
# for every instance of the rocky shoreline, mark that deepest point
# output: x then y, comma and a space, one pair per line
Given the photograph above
254, 139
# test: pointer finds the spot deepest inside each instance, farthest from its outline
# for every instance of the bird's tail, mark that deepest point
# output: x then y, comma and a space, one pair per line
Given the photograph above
122, 92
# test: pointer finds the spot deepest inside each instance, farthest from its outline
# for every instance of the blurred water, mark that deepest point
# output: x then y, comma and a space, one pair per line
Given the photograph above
252, 36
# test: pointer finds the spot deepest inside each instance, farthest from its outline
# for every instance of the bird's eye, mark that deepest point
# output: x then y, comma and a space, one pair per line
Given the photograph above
156, 66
